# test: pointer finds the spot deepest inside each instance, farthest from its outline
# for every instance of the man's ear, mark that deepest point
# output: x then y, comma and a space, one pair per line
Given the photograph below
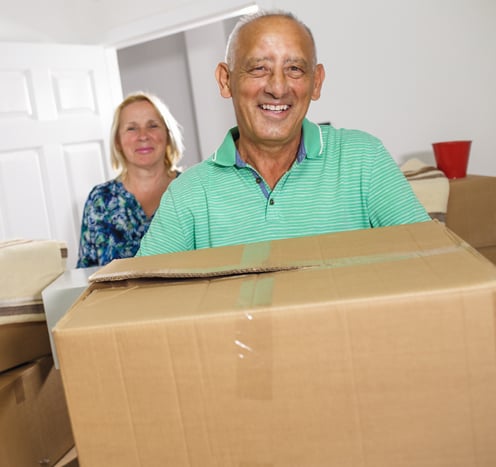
318, 81
222, 77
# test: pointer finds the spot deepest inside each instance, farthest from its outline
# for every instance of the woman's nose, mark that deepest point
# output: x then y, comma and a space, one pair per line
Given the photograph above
143, 133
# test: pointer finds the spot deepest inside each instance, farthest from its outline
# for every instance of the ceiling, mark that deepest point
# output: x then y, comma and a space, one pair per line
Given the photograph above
107, 22
62, 21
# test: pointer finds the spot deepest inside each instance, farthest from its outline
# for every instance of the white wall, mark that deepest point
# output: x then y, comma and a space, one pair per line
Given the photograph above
410, 72
214, 114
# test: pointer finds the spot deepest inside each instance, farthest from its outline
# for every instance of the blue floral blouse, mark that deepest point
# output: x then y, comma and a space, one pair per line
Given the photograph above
112, 226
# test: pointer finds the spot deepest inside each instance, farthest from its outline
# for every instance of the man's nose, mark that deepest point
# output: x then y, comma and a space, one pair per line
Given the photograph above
277, 83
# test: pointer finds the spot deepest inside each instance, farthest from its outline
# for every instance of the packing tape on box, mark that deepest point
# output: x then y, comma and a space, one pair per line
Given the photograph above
253, 340
392, 256
255, 254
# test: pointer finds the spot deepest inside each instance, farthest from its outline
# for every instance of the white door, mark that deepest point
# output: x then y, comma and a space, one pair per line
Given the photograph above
56, 105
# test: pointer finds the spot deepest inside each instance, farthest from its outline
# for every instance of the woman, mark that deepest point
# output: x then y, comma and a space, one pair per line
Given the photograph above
146, 145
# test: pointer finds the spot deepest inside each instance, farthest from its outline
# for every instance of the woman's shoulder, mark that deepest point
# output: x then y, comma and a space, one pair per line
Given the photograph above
107, 188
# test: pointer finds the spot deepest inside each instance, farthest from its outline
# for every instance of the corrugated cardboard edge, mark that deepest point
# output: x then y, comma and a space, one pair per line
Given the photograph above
250, 258
189, 273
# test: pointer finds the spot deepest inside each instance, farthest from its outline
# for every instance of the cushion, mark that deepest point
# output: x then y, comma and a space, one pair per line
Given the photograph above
430, 185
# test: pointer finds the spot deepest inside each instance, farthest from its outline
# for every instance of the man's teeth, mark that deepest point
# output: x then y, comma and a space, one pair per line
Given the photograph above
276, 108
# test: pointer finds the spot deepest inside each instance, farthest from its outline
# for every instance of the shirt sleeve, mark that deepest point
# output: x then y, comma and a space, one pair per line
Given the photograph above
391, 198
171, 229
87, 255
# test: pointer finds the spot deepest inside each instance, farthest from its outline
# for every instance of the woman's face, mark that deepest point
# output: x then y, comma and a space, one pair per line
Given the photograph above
142, 136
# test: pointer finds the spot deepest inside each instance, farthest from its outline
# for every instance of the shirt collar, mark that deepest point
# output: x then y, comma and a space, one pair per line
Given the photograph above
311, 146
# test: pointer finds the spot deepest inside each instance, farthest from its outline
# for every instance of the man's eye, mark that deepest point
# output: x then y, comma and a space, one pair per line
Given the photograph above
295, 71
258, 70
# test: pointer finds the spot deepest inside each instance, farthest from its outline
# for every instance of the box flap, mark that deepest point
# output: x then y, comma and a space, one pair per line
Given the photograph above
329, 250
211, 262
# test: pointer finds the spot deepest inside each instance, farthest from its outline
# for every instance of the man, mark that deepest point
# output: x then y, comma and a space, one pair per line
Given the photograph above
278, 175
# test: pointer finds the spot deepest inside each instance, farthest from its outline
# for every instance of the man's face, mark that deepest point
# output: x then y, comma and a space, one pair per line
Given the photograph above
273, 80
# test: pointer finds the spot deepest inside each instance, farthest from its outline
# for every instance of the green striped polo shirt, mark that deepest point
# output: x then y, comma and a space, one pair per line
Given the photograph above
342, 180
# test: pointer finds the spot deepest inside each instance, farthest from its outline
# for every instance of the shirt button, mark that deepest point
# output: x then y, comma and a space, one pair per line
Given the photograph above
271, 202
258, 180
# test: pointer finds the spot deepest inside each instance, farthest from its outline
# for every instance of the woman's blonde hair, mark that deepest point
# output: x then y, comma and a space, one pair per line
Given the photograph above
175, 146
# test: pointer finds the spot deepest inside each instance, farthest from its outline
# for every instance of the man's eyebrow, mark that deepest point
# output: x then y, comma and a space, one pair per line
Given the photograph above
299, 60
290, 60
255, 60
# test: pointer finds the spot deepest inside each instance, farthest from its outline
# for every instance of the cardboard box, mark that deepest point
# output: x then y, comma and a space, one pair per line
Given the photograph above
35, 428
371, 348
22, 342
472, 212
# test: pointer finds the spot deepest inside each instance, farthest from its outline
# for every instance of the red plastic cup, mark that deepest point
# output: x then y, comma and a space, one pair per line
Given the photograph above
452, 157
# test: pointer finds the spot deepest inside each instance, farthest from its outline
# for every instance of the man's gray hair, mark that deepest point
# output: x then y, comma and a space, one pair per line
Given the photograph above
232, 42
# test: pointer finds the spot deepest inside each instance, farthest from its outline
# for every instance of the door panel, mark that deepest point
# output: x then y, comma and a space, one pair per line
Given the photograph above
56, 105
22, 185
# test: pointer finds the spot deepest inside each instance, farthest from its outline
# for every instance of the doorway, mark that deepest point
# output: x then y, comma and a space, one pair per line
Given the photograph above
179, 68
